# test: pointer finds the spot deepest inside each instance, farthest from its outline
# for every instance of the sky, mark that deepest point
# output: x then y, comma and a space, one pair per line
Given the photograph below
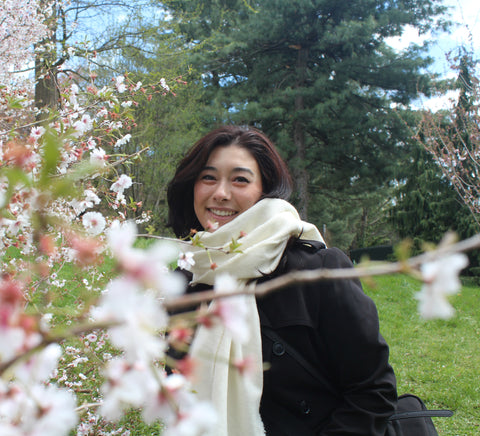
466, 13
466, 32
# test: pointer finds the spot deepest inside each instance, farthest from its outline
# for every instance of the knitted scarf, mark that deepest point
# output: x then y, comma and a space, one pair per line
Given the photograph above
263, 232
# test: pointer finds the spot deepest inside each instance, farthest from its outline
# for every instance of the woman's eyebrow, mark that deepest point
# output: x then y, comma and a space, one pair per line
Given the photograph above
209, 168
234, 170
243, 169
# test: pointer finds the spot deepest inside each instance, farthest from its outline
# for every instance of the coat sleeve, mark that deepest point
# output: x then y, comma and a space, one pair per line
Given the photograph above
357, 354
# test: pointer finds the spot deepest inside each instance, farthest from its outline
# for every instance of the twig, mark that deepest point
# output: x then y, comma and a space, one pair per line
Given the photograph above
308, 276
52, 339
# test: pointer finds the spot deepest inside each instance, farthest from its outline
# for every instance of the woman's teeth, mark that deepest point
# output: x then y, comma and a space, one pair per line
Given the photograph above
223, 212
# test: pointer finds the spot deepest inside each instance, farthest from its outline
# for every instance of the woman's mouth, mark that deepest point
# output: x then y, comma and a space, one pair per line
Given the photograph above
222, 213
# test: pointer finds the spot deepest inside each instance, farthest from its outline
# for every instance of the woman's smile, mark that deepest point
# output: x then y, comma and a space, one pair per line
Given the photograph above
223, 213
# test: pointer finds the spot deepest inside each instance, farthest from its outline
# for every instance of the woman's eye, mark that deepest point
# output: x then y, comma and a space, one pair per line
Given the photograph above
241, 179
207, 177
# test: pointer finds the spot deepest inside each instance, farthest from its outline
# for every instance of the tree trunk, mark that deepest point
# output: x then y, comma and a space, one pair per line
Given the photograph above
301, 174
46, 87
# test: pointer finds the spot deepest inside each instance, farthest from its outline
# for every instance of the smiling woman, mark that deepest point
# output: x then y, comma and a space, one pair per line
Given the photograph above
233, 184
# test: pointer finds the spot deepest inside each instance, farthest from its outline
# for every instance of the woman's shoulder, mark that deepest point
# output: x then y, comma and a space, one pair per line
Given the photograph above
312, 303
308, 254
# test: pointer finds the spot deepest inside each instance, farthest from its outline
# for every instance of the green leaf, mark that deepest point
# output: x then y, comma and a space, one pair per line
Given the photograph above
14, 102
51, 155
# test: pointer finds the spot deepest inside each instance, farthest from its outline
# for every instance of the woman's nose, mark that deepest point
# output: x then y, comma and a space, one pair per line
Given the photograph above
222, 192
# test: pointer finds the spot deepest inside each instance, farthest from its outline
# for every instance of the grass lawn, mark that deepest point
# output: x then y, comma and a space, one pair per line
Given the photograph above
437, 360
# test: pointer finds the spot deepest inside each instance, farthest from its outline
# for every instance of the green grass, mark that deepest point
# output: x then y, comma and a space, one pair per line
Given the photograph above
437, 360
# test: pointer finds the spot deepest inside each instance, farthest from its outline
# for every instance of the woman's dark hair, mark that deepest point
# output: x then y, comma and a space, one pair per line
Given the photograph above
276, 180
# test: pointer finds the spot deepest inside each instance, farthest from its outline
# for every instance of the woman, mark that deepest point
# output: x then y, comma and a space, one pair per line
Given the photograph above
337, 380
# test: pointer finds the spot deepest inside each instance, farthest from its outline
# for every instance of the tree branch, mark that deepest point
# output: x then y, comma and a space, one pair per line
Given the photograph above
371, 269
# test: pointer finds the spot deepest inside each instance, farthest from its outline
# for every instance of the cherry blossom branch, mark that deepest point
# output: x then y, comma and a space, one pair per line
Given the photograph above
408, 266
52, 339
130, 156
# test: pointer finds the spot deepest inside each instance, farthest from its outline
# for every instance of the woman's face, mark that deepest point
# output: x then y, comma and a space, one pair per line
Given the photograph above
229, 184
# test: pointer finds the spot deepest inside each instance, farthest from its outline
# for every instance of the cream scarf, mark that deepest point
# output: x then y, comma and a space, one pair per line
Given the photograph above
265, 228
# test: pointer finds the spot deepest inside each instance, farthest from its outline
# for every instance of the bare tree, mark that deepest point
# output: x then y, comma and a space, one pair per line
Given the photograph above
453, 136
85, 28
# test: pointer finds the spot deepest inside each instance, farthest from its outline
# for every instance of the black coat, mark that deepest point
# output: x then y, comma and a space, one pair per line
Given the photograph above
333, 325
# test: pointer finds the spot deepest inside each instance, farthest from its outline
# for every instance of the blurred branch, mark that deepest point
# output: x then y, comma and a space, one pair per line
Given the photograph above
408, 266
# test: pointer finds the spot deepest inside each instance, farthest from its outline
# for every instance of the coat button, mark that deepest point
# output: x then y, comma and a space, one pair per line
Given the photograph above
304, 407
278, 348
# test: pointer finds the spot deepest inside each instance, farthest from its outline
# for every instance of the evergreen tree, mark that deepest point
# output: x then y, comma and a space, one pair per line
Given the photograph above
425, 201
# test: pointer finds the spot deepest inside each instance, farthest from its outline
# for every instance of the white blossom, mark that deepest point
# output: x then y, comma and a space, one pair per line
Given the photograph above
198, 420
11, 340
121, 87
140, 319
128, 385
123, 140
186, 260
148, 266
164, 85
37, 411
91, 143
58, 411
440, 280
232, 311
94, 222
37, 132
82, 126
123, 182
98, 157
40, 366
91, 196
102, 113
